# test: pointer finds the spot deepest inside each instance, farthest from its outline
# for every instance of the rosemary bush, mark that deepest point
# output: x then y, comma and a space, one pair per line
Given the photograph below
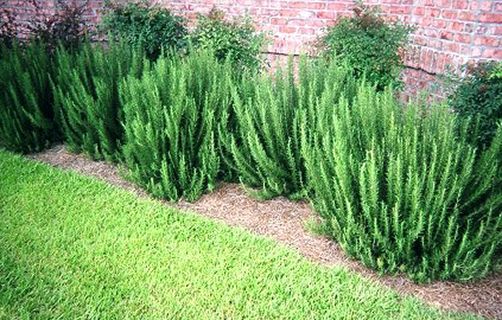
26, 114
401, 189
270, 116
170, 117
87, 99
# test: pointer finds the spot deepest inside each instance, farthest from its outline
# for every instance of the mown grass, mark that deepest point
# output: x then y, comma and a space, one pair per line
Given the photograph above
72, 247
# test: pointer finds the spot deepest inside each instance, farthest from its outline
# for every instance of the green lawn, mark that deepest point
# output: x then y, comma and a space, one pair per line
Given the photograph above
72, 247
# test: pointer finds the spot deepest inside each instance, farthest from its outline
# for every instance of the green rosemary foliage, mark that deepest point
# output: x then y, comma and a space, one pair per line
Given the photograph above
271, 115
401, 188
87, 99
170, 118
402, 191
26, 115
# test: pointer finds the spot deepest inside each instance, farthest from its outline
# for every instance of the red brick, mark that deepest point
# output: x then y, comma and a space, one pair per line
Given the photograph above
448, 31
486, 41
278, 21
481, 5
444, 3
316, 23
426, 22
491, 17
466, 16
399, 9
449, 14
287, 29
476, 52
497, 30
462, 37
460, 4
457, 26
306, 5
446, 35
326, 15
492, 53
471, 27
419, 11
436, 44
432, 12
338, 6
440, 24
432, 33
269, 12
296, 22
289, 13
422, 41
306, 31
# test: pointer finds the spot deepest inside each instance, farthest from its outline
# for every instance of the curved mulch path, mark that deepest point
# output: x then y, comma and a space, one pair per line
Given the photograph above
285, 221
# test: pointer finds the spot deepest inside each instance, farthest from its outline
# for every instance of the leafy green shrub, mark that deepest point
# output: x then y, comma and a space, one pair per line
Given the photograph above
401, 190
270, 118
26, 115
371, 45
235, 40
148, 27
87, 100
479, 97
170, 117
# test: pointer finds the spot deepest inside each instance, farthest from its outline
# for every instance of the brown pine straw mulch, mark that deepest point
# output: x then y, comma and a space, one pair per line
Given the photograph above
285, 221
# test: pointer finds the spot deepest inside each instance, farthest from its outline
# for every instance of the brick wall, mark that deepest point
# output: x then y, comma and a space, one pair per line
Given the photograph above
449, 33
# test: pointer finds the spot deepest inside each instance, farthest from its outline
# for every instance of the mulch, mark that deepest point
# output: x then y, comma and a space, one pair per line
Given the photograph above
285, 221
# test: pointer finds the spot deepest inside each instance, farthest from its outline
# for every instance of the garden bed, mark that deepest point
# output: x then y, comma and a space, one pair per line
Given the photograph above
286, 221
72, 247
411, 192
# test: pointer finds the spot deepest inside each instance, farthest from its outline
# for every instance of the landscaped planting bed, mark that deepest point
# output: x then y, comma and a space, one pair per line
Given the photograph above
292, 223
399, 187
72, 247
407, 189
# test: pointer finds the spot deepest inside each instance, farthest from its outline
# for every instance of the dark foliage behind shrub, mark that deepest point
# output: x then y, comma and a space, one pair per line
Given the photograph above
9, 27
370, 44
236, 40
148, 27
66, 26
479, 97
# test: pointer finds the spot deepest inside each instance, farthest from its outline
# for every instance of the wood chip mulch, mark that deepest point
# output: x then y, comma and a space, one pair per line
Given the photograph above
285, 221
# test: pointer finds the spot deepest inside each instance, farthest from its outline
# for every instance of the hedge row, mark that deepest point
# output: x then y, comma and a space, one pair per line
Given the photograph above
399, 187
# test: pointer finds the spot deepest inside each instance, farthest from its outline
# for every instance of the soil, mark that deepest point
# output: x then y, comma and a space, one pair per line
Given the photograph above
286, 221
